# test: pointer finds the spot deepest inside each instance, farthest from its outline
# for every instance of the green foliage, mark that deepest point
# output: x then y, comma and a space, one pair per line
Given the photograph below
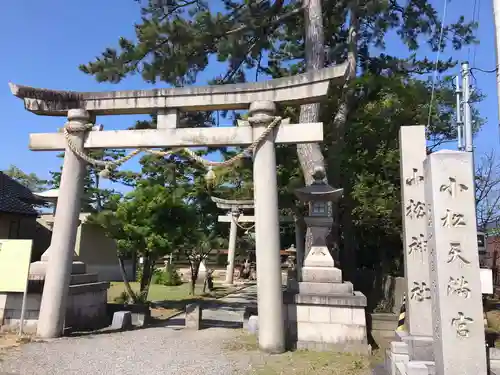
30, 180
122, 298
94, 197
146, 223
176, 39
168, 277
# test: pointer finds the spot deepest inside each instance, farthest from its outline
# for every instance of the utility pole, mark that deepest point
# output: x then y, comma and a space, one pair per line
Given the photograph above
466, 107
459, 107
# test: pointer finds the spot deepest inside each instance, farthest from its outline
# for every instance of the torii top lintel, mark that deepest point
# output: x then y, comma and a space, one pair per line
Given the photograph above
233, 204
299, 89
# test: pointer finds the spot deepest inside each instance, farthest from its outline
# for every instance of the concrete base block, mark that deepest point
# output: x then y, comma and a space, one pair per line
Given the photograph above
140, 314
321, 275
326, 322
420, 348
122, 320
396, 354
325, 288
495, 358
415, 368
193, 316
356, 299
400, 335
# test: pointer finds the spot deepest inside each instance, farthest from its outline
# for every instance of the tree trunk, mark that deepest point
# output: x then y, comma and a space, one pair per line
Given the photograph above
195, 267
309, 154
339, 128
146, 276
128, 288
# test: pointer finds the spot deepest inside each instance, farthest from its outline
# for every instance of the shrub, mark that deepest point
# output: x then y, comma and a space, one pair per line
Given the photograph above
122, 298
168, 277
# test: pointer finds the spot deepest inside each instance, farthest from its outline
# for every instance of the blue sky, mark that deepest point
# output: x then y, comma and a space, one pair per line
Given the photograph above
45, 41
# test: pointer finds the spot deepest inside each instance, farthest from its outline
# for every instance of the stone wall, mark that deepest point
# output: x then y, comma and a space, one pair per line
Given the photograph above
86, 308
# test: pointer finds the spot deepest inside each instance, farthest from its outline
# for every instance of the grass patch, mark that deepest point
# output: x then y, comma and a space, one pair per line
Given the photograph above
169, 293
304, 362
300, 362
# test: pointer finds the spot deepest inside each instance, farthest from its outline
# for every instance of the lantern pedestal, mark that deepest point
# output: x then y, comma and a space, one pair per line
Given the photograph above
323, 312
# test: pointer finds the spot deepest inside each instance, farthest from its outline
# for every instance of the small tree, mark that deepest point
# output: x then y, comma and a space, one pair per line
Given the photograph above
487, 191
196, 247
145, 223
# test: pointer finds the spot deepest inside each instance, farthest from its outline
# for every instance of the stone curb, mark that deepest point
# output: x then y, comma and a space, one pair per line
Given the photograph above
218, 298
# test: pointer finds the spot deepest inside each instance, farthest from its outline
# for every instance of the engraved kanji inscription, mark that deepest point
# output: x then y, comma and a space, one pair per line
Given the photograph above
458, 287
429, 216
461, 324
455, 253
452, 186
415, 178
420, 291
415, 209
418, 243
452, 219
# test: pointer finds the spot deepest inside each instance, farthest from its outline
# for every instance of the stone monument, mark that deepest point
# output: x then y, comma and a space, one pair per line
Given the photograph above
324, 313
457, 311
454, 275
260, 134
415, 343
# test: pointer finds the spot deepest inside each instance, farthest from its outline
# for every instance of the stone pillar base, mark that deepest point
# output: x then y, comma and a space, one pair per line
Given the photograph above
326, 322
85, 309
416, 350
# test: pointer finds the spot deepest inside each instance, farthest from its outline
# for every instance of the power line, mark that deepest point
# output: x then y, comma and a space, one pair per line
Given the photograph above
486, 71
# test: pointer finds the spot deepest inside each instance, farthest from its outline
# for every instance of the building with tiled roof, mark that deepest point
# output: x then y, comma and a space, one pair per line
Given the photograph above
17, 212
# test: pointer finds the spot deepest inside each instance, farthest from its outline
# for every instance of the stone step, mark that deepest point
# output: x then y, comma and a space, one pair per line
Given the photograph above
325, 288
84, 278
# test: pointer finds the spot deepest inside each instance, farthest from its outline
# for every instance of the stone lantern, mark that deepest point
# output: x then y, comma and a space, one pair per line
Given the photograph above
323, 312
318, 195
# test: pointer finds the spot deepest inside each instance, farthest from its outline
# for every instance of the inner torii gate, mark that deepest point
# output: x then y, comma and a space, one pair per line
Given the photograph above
81, 110
234, 216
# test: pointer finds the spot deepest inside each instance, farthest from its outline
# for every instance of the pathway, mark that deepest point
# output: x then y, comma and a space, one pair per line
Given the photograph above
156, 350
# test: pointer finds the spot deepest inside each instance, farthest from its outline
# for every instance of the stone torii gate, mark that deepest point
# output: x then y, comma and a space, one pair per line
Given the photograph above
234, 216
80, 134
235, 207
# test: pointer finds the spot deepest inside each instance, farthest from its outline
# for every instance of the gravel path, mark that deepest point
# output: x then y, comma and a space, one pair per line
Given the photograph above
156, 350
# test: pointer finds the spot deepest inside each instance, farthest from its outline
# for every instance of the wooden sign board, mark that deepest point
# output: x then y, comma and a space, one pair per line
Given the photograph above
15, 259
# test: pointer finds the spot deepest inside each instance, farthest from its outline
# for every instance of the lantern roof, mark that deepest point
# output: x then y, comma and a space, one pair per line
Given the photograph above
319, 190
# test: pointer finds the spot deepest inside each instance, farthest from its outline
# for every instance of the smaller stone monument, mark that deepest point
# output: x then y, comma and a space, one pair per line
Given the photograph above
323, 313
